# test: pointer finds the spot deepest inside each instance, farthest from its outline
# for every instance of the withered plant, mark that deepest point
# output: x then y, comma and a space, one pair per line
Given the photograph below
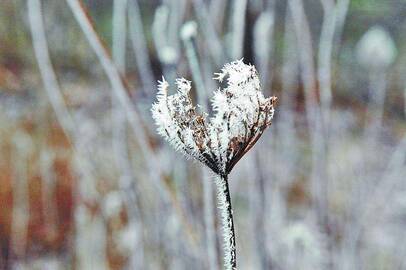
241, 115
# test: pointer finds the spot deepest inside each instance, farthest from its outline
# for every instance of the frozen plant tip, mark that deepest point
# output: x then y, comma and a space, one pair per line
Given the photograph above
241, 114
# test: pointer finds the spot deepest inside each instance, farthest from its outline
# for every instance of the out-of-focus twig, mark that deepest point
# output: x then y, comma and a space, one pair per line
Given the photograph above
55, 96
238, 28
188, 34
20, 213
290, 73
51, 85
119, 88
139, 45
215, 46
120, 141
319, 183
217, 11
263, 45
324, 57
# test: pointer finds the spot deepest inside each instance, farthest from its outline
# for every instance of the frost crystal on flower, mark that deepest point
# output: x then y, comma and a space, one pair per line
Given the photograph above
241, 114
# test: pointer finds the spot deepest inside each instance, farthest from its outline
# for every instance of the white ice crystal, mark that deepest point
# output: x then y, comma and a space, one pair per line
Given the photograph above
241, 114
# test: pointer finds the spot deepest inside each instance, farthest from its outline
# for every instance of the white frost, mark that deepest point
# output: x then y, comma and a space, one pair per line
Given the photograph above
241, 113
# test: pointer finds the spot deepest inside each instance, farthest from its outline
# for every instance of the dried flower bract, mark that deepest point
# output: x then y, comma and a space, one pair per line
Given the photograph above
241, 114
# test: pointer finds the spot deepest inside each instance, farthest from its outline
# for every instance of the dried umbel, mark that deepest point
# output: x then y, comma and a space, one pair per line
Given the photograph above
241, 114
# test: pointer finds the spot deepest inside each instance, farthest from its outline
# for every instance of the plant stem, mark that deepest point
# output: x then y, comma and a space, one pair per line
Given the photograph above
230, 259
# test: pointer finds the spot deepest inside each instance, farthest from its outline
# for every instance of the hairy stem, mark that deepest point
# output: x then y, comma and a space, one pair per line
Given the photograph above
230, 259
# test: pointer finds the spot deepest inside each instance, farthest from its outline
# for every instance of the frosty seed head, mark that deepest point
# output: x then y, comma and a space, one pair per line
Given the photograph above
241, 114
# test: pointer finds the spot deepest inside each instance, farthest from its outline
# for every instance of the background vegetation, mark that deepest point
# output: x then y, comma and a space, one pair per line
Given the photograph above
85, 182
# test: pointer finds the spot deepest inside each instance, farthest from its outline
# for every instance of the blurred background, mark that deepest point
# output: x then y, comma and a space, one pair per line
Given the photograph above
85, 182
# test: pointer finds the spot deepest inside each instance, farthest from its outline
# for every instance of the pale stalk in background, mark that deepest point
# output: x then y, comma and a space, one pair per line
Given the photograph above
333, 18
188, 35
191, 52
56, 99
239, 8
324, 59
367, 194
48, 184
263, 47
139, 45
369, 183
259, 201
319, 182
50, 82
217, 10
22, 145
391, 179
263, 51
120, 91
341, 10
177, 10
285, 128
167, 51
153, 164
209, 32
375, 107
120, 141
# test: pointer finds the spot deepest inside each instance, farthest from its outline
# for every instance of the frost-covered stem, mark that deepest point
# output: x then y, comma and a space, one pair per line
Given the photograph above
224, 200
209, 221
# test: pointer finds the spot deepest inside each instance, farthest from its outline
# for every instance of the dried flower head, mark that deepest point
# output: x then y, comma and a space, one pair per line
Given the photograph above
241, 114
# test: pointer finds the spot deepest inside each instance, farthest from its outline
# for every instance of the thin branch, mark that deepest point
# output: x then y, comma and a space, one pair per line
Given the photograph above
238, 28
120, 140
49, 79
139, 45
119, 89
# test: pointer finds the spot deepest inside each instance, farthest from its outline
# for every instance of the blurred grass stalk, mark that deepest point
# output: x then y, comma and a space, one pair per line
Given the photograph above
188, 36
127, 180
239, 8
215, 47
152, 161
20, 215
120, 91
263, 47
55, 96
302, 62
263, 53
63, 115
307, 67
139, 46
